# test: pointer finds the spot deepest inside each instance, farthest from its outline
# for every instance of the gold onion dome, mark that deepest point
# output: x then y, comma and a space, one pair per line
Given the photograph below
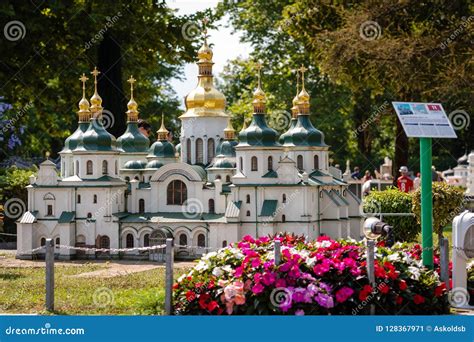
132, 105
162, 132
259, 97
84, 106
96, 100
229, 131
205, 100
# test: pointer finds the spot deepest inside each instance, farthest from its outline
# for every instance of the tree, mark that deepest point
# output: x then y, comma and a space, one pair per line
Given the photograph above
50, 43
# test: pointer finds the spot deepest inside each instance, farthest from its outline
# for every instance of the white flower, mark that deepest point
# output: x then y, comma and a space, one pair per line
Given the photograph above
394, 257
227, 268
209, 255
310, 262
201, 266
217, 271
414, 272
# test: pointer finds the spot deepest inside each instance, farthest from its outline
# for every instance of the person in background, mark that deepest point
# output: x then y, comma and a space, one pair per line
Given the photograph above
144, 127
367, 176
356, 173
404, 183
416, 181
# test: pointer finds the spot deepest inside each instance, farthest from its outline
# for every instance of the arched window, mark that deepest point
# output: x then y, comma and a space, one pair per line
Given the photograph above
241, 163
248, 212
227, 179
177, 193
146, 240
247, 199
104, 242
89, 215
283, 218
188, 150
89, 168
270, 163
77, 168
299, 162
43, 241
183, 239
218, 177
201, 240
129, 241
211, 149
127, 179
57, 242
95, 198
199, 151
116, 167
212, 208
283, 198
49, 210
105, 167
224, 243
141, 205
316, 162
254, 164
78, 199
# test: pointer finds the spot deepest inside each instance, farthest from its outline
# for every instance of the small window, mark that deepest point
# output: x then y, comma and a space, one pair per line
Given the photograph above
254, 164
77, 168
224, 243
299, 162
201, 240
344, 193
283, 198
78, 199
105, 167
210, 149
188, 151
141, 205
43, 241
177, 193
104, 242
129, 240
227, 179
241, 163
247, 199
248, 212
146, 240
89, 167
270, 163
316, 162
218, 177
57, 241
283, 218
212, 208
199, 151
95, 199
89, 215
116, 167
183, 239
50, 210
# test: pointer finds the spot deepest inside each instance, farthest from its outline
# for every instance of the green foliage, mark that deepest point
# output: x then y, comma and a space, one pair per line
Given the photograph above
13, 182
448, 201
406, 228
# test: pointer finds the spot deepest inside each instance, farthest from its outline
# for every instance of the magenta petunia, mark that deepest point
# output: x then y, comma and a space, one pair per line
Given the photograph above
258, 288
344, 294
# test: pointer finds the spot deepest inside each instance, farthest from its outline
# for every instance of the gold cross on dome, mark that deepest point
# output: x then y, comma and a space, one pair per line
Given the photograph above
259, 67
302, 70
83, 79
95, 72
131, 80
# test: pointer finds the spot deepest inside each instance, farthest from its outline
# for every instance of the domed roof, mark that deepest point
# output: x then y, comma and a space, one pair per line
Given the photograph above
96, 138
154, 164
223, 163
133, 140
292, 125
75, 138
135, 165
303, 134
258, 133
162, 149
226, 148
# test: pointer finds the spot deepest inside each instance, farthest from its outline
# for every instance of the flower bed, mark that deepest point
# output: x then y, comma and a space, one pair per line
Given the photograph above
314, 278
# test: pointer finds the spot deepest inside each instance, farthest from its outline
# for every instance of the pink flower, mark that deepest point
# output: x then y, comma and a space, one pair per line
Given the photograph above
238, 272
258, 288
280, 283
269, 278
299, 312
343, 294
255, 262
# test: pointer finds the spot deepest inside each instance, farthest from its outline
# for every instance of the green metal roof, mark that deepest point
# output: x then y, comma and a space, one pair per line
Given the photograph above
226, 148
67, 217
135, 165
268, 208
73, 140
233, 209
133, 140
258, 133
200, 170
161, 217
29, 217
270, 174
96, 138
303, 134
162, 149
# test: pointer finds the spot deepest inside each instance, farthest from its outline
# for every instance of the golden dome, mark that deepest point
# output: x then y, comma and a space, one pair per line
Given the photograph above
162, 132
84, 110
96, 100
303, 105
205, 100
229, 131
132, 105
259, 97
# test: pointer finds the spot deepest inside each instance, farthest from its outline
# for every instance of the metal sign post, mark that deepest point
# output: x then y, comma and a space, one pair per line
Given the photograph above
426, 203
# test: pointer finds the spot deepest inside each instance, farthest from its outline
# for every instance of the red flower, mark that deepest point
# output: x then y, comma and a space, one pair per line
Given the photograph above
417, 299
203, 300
402, 285
175, 286
439, 290
399, 300
212, 305
365, 292
211, 284
198, 285
190, 296
384, 288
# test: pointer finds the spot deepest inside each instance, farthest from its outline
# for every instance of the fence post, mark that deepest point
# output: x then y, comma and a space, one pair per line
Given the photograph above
169, 277
277, 244
49, 259
444, 261
371, 268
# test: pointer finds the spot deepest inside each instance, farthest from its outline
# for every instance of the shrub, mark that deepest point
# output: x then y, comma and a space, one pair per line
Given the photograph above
406, 228
314, 278
448, 201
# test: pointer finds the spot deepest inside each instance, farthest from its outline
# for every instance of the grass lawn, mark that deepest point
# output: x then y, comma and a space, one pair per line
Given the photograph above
22, 290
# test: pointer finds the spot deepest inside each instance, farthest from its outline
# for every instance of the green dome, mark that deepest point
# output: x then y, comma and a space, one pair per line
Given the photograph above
162, 149
75, 138
292, 125
135, 165
258, 133
96, 138
223, 163
133, 140
154, 164
226, 148
304, 134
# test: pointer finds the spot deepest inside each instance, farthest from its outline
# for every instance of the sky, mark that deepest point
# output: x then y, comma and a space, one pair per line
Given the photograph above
227, 45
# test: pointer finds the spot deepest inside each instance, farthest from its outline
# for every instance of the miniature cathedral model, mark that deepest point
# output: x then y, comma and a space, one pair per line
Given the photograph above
210, 190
